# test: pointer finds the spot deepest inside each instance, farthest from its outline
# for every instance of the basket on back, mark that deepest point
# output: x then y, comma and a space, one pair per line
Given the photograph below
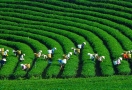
2, 51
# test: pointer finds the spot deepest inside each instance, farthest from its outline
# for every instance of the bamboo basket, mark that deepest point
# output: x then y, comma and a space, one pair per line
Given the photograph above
49, 55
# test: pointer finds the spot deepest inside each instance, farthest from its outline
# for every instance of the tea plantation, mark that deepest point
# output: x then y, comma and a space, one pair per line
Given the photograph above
33, 25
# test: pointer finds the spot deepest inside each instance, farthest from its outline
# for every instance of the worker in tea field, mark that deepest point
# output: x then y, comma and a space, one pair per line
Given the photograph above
125, 55
18, 53
25, 67
76, 50
93, 57
53, 50
48, 56
118, 61
22, 57
15, 52
45, 57
67, 56
101, 58
62, 63
5, 54
3, 61
81, 46
38, 55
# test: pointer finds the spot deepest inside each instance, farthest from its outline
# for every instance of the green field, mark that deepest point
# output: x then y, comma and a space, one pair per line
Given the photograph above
93, 83
33, 25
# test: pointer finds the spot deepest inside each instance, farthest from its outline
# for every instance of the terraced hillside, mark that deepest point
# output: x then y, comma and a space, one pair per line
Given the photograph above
31, 26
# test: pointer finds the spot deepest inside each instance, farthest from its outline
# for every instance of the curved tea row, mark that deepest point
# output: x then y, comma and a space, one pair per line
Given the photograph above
33, 26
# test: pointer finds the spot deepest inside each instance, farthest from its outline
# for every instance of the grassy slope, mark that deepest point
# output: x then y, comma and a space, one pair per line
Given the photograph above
94, 83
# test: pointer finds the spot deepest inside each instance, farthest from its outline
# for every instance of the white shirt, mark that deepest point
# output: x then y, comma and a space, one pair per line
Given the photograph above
49, 51
79, 46
68, 55
22, 57
4, 59
64, 61
5, 53
91, 56
115, 62
24, 67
